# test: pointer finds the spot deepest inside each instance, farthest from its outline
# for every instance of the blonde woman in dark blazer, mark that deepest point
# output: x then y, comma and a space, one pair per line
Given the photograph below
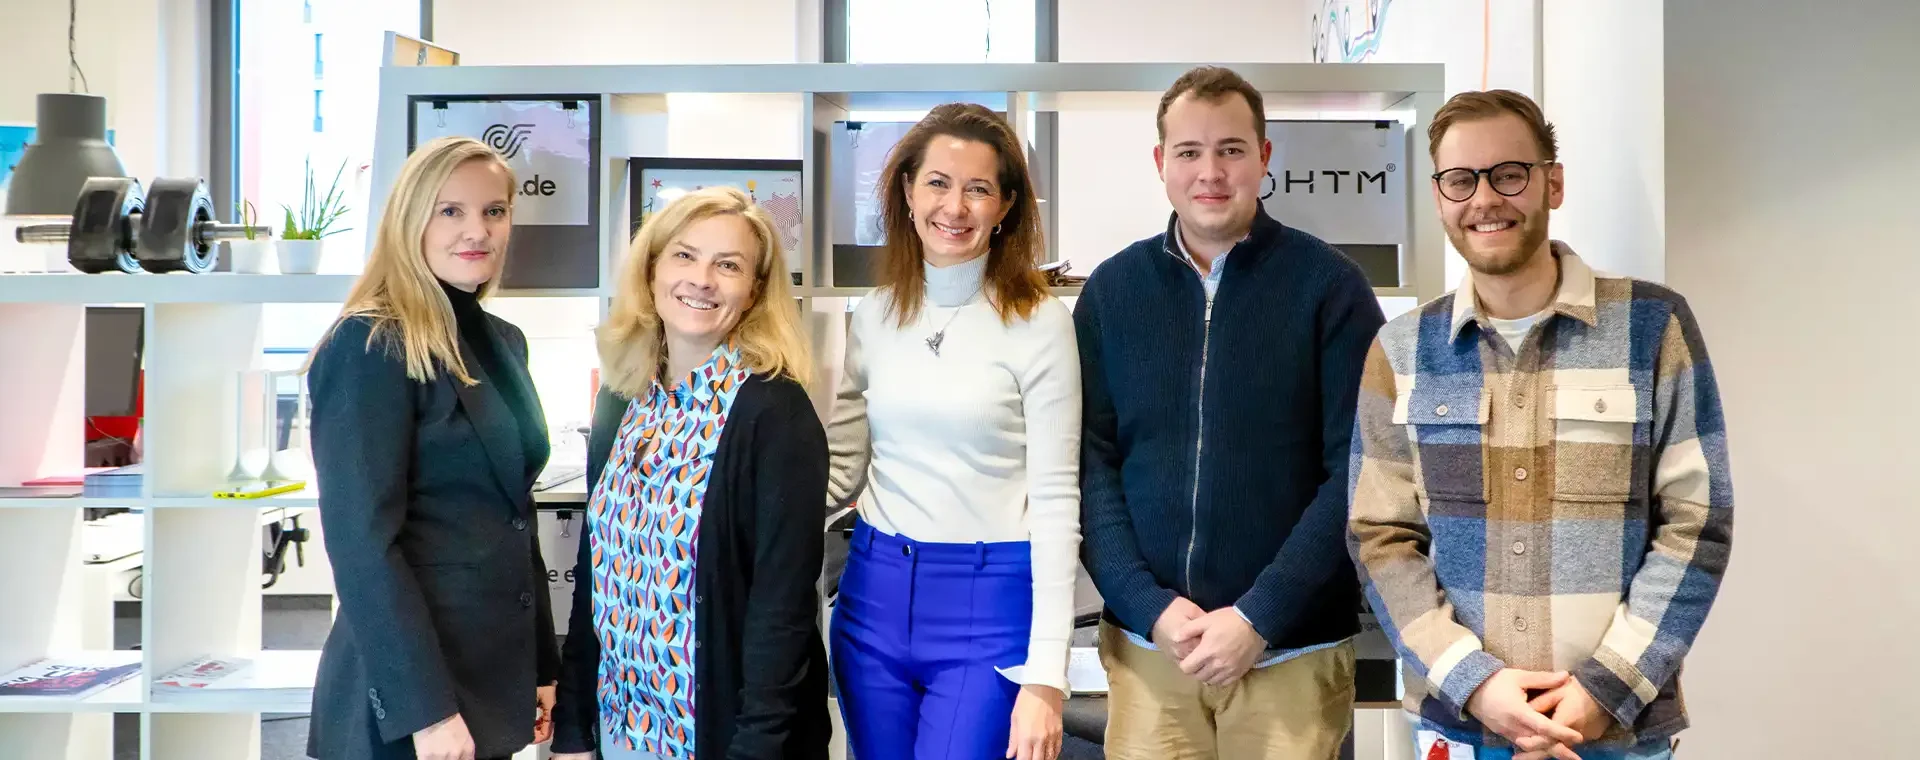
427, 437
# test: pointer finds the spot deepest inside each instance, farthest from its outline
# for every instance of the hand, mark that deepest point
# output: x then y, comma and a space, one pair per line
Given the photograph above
1501, 705
1037, 724
1177, 615
1226, 647
543, 697
1572, 706
446, 740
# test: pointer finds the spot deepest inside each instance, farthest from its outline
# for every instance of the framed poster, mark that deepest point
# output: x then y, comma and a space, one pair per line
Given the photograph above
552, 144
774, 184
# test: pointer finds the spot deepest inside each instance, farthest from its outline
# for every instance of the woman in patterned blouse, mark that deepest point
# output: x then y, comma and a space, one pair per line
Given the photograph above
695, 619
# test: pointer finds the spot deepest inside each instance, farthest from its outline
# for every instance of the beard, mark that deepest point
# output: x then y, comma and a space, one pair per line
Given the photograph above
1501, 261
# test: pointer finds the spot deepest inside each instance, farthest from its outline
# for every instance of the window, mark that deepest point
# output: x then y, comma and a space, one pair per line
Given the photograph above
287, 118
967, 31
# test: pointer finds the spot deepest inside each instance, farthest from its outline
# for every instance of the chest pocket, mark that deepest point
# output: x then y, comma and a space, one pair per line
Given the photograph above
1446, 423
1600, 436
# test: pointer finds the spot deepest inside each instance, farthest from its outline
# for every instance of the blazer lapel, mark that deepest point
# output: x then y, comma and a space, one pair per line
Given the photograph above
499, 433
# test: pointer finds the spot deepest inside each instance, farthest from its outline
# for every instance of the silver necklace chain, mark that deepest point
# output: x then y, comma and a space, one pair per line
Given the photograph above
940, 336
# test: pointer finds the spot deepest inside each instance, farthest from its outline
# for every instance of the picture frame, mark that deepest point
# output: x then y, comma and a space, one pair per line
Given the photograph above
777, 185
553, 143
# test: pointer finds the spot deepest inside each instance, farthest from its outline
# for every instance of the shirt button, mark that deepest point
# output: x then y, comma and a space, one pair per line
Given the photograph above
1600, 405
1520, 400
526, 599
1519, 473
1519, 548
1520, 624
519, 524
1440, 411
906, 551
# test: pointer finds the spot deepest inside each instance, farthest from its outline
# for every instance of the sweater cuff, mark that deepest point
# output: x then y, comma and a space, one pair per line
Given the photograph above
1142, 607
1046, 665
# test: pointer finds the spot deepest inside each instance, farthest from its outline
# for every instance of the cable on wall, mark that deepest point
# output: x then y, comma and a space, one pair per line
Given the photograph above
73, 58
989, 54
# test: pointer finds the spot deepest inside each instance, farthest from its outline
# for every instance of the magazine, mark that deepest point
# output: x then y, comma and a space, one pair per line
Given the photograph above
65, 678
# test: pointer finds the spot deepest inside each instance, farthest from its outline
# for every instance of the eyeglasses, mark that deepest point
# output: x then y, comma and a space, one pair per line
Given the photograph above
1508, 178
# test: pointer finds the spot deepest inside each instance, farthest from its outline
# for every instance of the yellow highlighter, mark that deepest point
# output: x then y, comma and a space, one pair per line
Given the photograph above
258, 489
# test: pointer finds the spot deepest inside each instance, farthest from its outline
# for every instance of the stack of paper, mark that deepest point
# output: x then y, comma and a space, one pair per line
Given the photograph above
269, 682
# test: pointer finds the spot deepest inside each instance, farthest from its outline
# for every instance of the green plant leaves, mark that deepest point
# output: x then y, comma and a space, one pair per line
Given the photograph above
318, 214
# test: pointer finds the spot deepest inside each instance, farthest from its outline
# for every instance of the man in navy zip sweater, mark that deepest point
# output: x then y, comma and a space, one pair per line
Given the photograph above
1220, 362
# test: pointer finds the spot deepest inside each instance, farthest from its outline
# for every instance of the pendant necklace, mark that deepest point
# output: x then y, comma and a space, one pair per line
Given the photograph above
934, 340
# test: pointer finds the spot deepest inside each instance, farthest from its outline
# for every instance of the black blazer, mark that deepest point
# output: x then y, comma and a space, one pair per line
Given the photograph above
760, 682
426, 505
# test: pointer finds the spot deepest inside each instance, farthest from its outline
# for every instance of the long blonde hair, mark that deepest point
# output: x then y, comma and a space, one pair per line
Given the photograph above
633, 340
397, 291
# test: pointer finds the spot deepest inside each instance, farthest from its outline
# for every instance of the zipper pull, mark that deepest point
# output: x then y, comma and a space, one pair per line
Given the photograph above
1209, 317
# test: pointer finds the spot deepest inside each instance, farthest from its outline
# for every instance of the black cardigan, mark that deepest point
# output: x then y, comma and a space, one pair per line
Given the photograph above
761, 676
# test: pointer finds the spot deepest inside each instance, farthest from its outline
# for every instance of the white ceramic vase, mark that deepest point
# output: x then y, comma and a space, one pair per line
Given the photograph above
252, 256
299, 256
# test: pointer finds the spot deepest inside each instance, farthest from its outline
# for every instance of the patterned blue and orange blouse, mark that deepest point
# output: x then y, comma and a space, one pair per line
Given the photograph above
644, 522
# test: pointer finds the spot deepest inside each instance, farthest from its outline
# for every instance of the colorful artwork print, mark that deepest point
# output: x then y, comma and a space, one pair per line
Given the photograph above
774, 185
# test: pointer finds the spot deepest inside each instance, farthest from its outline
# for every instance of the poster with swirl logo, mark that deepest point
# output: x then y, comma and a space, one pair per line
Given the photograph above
552, 145
546, 143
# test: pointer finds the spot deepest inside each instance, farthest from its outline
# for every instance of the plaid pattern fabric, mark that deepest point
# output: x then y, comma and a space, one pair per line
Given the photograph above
1566, 507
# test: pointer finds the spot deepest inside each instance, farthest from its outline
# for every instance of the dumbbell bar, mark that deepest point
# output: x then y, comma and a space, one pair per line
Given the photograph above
116, 227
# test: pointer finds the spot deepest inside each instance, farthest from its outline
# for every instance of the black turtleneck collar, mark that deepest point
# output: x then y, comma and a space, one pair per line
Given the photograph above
465, 304
491, 352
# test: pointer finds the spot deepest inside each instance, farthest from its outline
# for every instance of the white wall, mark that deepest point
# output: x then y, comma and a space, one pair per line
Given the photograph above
1790, 227
1484, 45
148, 58
1603, 91
573, 32
1109, 194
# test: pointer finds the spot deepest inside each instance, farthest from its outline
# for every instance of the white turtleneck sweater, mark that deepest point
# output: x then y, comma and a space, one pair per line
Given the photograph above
978, 443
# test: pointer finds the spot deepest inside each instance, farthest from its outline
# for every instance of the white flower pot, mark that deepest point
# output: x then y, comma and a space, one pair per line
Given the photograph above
299, 256
252, 256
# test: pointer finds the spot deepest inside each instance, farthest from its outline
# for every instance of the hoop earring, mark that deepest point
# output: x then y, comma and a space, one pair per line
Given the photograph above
996, 229
909, 215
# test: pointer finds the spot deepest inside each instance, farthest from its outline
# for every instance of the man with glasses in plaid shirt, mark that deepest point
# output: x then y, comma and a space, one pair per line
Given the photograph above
1541, 504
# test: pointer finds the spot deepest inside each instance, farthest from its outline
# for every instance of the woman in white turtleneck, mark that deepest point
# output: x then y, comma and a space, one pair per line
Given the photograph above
956, 431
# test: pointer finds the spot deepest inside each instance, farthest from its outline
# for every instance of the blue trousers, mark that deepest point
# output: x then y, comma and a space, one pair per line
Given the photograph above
916, 635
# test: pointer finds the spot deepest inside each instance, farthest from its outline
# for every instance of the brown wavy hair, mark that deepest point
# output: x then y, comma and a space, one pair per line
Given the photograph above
1014, 283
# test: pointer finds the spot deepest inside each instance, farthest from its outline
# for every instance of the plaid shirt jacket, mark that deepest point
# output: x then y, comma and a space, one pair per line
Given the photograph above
1565, 508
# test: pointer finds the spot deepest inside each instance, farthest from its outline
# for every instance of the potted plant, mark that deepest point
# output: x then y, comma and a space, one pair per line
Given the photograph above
250, 256
303, 233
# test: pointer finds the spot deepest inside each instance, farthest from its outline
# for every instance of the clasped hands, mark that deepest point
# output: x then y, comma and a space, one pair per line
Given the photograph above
1558, 716
1215, 648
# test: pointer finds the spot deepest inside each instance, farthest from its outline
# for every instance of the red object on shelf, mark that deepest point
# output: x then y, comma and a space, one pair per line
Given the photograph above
123, 428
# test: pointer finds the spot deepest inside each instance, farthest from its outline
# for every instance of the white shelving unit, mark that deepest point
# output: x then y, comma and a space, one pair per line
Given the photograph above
202, 594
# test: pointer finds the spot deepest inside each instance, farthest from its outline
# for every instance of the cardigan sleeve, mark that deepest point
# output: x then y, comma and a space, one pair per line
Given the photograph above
789, 477
576, 711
